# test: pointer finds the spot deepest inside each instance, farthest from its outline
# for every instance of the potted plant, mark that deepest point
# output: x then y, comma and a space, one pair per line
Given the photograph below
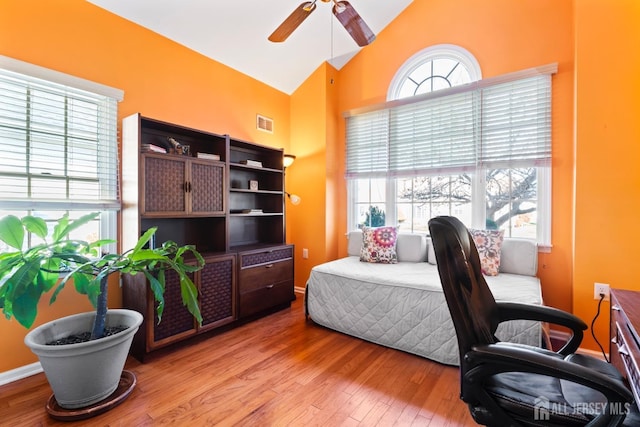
27, 274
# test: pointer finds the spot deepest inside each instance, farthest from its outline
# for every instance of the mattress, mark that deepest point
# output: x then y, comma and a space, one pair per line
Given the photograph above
402, 305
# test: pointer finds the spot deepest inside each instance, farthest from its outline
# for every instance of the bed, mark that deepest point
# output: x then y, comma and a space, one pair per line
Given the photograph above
402, 305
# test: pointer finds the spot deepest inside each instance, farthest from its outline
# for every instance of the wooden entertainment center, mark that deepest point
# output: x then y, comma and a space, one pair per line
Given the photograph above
221, 194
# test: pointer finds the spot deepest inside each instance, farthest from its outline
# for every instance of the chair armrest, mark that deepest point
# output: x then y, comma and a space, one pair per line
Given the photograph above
487, 360
520, 311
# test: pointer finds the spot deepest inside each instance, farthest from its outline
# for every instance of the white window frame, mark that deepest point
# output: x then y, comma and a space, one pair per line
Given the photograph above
440, 51
478, 186
108, 219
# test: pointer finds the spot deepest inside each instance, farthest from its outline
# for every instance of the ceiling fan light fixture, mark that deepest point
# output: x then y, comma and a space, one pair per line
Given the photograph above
309, 6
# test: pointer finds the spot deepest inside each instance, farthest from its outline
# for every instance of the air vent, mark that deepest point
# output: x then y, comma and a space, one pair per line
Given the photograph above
264, 123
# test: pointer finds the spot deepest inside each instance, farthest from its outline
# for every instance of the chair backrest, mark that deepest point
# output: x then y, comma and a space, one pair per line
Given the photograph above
471, 304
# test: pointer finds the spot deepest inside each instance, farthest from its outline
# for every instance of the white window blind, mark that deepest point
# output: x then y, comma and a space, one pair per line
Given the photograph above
498, 122
59, 146
367, 148
516, 123
433, 136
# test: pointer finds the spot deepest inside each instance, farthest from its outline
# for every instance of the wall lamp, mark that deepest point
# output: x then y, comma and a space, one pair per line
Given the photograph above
288, 160
295, 199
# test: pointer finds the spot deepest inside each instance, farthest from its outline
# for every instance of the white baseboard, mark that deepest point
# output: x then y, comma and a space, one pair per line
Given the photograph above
564, 336
20, 373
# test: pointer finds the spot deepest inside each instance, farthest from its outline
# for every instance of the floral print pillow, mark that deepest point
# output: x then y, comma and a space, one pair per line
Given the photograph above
489, 244
379, 245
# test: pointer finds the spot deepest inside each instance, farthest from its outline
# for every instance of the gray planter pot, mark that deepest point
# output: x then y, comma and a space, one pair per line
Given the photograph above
84, 373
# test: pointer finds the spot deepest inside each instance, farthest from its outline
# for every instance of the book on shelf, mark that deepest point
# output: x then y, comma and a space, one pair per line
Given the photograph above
247, 211
254, 163
151, 148
208, 156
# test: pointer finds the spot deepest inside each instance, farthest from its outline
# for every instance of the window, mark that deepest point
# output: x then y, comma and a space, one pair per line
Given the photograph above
434, 68
449, 145
59, 139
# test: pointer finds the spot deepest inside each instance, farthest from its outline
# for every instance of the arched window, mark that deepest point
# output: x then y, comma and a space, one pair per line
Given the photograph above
434, 68
418, 148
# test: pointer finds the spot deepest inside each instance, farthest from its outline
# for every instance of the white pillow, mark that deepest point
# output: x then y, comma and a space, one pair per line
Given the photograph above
411, 247
354, 246
519, 256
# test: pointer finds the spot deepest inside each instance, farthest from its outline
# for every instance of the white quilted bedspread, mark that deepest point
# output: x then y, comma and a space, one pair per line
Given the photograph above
402, 305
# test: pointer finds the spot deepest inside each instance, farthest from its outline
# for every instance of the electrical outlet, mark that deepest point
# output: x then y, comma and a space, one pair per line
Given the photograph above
601, 288
305, 253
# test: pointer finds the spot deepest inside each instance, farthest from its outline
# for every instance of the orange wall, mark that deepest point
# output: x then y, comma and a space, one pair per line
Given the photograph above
593, 41
311, 224
607, 151
160, 79
504, 36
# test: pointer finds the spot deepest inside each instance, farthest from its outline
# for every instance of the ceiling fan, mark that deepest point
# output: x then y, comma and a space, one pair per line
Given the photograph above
342, 10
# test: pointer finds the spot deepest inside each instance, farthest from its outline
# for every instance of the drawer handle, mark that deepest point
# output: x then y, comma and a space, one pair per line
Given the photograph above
270, 286
268, 266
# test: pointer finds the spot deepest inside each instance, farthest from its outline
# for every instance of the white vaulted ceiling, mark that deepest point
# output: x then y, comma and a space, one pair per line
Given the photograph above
234, 33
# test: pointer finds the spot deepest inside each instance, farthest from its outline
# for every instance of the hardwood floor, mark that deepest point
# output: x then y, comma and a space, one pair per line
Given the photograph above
277, 371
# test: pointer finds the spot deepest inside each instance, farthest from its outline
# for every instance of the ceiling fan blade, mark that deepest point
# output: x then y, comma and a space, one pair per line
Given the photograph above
353, 23
293, 21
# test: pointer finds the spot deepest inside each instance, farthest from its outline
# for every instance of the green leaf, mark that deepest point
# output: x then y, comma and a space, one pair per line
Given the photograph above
144, 238
60, 227
11, 231
81, 283
100, 243
36, 225
64, 227
25, 306
8, 261
75, 258
190, 297
146, 254
190, 268
157, 286
192, 249
48, 274
22, 278
58, 289
21, 293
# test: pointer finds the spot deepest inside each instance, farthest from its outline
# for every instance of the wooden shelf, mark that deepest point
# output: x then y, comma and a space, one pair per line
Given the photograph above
258, 214
255, 168
192, 201
244, 190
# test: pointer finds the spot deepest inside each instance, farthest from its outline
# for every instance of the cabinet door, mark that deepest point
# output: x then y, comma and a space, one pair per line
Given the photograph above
177, 322
164, 185
217, 299
206, 189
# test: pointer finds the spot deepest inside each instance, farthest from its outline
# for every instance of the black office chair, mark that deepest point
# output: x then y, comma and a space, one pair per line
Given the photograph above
506, 384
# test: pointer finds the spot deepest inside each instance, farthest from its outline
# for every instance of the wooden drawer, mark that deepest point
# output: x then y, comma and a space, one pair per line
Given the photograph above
264, 275
250, 259
266, 297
